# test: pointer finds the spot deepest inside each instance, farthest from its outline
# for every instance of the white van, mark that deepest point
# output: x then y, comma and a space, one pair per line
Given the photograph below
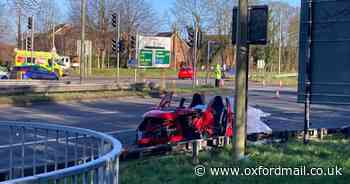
64, 61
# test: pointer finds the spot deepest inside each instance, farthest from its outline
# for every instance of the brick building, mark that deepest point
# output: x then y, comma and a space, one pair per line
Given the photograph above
6, 53
66, 36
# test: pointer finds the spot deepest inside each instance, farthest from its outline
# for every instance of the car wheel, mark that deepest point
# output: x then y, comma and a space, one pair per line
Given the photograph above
57, 72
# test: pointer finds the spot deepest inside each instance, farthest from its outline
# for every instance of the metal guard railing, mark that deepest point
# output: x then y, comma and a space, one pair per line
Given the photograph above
45, 153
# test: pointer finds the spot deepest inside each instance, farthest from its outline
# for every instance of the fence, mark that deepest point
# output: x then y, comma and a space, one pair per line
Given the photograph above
45, 153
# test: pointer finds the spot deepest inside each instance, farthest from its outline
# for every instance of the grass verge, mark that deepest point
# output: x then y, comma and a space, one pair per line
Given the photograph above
173, 169
28, 99
142, 91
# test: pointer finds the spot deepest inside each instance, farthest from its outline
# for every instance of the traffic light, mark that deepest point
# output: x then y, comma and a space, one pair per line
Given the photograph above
30, 22
132, 42
191, 35
120, 46
114, 20
199, 39
114, 45
29, 44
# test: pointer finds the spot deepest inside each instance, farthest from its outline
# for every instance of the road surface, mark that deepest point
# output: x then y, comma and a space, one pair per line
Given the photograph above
120, 117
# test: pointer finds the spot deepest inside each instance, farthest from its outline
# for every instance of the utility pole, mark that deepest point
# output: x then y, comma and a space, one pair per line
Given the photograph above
82, 40
241, 88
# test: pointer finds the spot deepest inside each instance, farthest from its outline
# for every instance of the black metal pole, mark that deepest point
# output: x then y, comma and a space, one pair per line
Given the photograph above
307, 100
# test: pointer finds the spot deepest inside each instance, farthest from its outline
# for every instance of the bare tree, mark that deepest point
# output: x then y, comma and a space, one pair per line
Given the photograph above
22, 8
186, 12
44, 11
46, 15
283, 30
4, 21
136, 16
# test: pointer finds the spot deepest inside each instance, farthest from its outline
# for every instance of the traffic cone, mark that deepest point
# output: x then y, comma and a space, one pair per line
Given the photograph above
278, 89
277, 93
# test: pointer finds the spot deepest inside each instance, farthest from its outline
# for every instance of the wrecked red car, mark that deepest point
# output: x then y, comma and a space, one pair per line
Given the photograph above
166, 125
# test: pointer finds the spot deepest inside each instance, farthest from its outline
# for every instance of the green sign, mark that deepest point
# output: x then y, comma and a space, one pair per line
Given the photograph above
145, 58
162, 57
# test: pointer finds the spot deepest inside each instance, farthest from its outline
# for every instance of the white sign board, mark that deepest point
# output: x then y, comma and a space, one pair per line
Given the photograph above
154, 51
154, 42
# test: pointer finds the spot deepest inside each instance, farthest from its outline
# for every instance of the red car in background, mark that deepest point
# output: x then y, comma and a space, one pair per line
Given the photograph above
185, 73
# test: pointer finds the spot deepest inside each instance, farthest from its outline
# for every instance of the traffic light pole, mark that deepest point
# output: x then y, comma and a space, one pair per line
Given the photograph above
32, 40
118, 51
136, 54
26, 42
241, 88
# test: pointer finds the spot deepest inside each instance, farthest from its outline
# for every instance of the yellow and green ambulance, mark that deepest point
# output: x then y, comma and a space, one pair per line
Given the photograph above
47, 60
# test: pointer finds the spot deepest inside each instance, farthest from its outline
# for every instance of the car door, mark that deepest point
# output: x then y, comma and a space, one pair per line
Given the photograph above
44, 73
33, 73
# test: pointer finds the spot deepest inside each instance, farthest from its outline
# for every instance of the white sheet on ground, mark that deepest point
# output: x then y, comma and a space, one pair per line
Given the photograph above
255, 124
